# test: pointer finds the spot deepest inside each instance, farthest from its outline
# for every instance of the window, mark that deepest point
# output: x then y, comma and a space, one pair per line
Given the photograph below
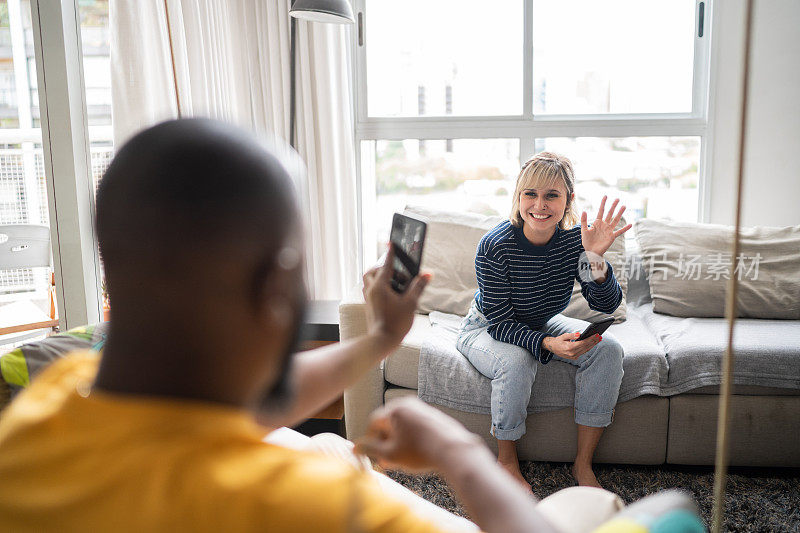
474, 174
653, 176
612, 57
443, 58
47, 169
97, 81
25, 293
96, 51
453, 95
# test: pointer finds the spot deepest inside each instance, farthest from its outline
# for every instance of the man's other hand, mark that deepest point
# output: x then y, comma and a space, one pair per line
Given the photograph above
409, 434
389, 313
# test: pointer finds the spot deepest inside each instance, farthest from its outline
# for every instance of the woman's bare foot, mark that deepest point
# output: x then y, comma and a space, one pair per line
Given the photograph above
584, 476
513, 469
507, 458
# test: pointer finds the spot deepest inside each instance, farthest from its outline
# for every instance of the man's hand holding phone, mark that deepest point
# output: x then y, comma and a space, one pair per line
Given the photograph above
408, 238
389, 313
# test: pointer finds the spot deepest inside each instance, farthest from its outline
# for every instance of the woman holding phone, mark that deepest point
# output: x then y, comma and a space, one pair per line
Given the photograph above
526, 267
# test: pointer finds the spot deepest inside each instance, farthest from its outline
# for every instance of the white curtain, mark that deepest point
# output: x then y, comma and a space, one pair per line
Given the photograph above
232, 62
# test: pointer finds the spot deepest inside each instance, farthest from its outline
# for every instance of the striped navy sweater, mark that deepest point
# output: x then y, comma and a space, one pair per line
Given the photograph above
522, 286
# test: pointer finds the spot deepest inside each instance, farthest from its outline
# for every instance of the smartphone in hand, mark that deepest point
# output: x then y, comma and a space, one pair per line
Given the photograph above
596, 328
407, 238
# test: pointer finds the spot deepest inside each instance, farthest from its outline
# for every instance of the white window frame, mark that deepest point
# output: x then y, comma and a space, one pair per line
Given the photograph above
65, 143
527, 127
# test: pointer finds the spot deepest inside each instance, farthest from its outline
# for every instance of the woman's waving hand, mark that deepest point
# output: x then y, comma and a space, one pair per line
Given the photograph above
600, 236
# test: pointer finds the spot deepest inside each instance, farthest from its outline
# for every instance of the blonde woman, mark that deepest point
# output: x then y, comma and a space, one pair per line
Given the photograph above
526, 268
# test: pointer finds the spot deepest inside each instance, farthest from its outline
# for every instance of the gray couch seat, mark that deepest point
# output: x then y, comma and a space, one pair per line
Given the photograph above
455, 383
767, 352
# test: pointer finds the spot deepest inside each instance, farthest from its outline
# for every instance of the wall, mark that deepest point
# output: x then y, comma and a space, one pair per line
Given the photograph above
772, 153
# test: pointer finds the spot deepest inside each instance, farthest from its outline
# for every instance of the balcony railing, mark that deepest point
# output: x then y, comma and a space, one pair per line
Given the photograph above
23, 197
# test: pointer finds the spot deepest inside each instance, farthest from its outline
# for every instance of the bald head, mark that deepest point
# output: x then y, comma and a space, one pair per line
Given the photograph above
198, 231
190, 194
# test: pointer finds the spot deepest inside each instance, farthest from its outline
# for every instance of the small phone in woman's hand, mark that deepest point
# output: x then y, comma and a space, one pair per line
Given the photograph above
596, 328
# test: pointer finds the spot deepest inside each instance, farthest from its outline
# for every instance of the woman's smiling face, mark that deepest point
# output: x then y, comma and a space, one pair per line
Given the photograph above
542, 209
544, 196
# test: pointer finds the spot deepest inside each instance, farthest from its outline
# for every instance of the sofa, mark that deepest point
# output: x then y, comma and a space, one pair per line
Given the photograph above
673, 331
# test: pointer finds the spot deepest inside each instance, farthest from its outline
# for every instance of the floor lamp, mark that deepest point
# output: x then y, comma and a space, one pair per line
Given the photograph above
331, 11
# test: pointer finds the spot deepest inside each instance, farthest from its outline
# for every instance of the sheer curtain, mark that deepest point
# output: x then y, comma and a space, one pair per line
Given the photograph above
232, 63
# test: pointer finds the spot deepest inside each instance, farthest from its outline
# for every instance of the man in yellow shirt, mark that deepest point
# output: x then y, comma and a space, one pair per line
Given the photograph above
198, 231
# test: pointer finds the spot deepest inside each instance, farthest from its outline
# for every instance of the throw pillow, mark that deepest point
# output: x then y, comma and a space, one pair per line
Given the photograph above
689, 265
451, 241
21, 364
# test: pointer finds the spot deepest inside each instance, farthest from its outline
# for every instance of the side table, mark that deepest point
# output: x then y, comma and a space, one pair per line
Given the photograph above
321, 327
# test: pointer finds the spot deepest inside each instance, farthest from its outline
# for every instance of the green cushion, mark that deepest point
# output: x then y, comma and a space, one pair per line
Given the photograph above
21, 364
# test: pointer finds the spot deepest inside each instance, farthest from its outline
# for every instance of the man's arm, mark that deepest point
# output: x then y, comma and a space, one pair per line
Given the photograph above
416, 437
490, 495
320, 376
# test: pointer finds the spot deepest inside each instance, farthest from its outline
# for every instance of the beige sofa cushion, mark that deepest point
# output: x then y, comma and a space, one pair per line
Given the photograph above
402, 367
449, 254
450, 244
689, 264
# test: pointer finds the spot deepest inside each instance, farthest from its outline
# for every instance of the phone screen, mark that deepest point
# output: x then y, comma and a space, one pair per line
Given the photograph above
407, 236
597, 328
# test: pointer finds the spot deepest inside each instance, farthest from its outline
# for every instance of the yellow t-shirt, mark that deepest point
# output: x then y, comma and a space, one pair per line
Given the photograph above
71, 460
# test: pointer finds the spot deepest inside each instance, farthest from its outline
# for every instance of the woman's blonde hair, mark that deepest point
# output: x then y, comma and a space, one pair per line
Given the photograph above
546, 170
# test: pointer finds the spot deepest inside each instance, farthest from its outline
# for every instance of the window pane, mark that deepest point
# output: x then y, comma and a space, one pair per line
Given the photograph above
613, 56
95, 45
475, 175
97, 80
26, 292
448, 57
654, 177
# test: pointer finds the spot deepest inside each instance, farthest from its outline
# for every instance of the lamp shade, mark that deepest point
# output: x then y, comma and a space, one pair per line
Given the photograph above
335, 11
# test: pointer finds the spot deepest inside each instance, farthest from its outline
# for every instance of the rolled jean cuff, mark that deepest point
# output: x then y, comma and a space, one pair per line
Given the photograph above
595, 420
509, 434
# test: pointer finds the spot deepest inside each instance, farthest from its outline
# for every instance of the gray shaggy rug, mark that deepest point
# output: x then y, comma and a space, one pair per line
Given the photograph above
757, 500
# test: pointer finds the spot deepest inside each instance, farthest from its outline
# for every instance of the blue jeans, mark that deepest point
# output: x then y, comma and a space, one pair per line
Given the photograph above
512, 370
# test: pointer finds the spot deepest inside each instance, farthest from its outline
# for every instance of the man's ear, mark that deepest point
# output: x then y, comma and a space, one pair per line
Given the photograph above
271, 299
278, 290
279, 311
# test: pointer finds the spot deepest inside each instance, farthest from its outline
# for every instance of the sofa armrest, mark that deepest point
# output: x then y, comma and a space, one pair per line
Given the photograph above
367, 394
